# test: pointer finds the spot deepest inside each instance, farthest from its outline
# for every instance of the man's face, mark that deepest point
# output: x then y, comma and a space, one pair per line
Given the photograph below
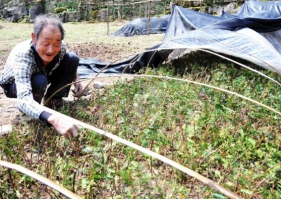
48, 44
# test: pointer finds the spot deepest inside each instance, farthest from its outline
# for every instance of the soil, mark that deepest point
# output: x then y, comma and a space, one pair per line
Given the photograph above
101, 51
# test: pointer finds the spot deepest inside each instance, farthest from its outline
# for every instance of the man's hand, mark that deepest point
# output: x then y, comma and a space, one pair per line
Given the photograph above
78, 88
64, 127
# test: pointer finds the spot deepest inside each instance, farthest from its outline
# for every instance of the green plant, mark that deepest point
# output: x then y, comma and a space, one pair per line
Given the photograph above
60, 9
94, 14
68, 6
233, 142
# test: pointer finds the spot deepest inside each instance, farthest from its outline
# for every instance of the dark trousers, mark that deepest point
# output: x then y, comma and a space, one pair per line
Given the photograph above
61, 76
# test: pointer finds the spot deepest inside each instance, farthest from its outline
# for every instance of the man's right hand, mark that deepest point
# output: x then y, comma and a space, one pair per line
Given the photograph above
63, 126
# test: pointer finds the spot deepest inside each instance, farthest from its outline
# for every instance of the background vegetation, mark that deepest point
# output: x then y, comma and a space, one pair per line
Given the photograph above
219, 135
96, 10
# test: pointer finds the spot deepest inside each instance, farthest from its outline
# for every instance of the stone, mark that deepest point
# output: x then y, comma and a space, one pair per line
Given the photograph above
98, 85
35, 10
5, 129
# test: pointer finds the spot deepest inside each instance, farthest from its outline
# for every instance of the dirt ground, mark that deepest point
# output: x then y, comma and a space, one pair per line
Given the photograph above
101, 51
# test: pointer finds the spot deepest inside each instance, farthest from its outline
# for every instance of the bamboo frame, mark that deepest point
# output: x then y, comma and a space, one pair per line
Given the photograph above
146, 151
40, 178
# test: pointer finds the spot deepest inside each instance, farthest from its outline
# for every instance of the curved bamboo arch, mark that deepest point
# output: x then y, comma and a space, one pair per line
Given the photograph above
40, 178
172, 163
168, 161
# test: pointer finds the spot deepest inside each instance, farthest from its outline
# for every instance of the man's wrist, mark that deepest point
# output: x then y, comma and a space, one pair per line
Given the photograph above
44, 116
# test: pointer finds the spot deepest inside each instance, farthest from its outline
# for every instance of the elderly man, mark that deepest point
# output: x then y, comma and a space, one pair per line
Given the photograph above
37, 68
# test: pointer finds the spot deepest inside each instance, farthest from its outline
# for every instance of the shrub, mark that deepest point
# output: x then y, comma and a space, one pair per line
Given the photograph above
60, 9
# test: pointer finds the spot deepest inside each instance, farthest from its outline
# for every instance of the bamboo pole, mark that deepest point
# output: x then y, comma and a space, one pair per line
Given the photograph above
139, 11
168, 161
40, 178
119, 12
148, 22
165, 4
146, 151
131, 11
107, 18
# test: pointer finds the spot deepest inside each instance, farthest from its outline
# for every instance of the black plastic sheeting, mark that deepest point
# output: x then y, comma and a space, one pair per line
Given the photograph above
253, 34
260, 9
139, 26
185, 20
90, 67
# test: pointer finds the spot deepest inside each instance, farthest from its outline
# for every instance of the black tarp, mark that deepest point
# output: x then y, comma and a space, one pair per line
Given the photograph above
260, 9
139, 26
253, 34
255, 39
90, 67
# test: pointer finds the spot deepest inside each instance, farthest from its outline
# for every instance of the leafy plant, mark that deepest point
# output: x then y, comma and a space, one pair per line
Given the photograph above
229, 140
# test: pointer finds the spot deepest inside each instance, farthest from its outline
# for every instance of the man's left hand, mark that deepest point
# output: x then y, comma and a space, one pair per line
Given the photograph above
78, 89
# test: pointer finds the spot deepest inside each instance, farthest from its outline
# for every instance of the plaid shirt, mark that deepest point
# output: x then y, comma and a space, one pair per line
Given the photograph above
21, 64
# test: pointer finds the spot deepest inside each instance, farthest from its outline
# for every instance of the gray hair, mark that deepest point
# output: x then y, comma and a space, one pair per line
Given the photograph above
41, 21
